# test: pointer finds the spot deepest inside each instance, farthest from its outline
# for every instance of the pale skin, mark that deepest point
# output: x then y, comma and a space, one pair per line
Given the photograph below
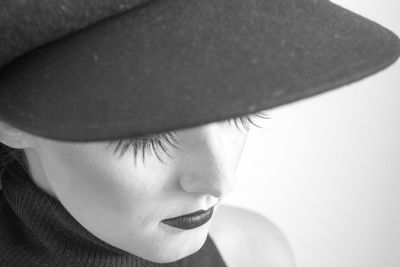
122, 202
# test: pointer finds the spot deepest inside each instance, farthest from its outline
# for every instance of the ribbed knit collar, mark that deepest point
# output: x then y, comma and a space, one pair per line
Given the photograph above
59, 239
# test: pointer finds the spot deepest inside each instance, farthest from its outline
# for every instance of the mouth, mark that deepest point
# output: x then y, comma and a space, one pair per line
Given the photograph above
191, 220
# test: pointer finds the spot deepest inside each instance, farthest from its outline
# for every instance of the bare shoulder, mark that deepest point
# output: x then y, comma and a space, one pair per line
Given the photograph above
246, 238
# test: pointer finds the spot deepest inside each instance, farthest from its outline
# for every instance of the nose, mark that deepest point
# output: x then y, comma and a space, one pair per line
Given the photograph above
206, 166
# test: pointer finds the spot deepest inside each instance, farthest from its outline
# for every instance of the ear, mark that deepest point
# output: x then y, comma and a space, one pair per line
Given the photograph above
13, 137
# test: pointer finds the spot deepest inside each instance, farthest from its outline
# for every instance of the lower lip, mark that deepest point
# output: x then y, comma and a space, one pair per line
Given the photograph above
190, 221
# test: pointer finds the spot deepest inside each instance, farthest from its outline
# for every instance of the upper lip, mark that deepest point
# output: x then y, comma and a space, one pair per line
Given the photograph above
190, 214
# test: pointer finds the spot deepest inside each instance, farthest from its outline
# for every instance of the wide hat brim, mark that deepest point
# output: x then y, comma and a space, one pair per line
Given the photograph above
174, 64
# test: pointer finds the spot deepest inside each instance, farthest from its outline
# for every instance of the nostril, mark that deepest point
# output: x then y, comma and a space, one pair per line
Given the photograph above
217, 186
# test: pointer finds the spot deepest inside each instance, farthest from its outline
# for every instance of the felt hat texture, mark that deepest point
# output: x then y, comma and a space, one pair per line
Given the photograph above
108, 69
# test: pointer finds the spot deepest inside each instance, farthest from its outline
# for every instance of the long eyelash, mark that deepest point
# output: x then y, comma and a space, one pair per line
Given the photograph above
247, 121
161, 142
147, 144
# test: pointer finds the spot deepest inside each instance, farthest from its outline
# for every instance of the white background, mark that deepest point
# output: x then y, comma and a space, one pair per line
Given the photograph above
326, 170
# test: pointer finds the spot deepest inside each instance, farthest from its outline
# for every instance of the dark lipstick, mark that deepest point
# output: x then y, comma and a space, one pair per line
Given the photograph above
191, 220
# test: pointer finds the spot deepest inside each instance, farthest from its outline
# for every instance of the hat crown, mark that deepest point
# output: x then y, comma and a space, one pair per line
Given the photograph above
25, 25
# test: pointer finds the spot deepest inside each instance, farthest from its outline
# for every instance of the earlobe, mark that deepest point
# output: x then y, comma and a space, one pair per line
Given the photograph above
13, 137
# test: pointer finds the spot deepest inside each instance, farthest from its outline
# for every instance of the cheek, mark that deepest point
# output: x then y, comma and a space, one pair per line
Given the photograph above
235, 144
96, 186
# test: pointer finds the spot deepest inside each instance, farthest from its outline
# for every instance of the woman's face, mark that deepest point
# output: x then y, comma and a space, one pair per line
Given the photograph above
122, 201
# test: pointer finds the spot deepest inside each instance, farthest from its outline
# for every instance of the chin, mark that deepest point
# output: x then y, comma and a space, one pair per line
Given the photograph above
183, 244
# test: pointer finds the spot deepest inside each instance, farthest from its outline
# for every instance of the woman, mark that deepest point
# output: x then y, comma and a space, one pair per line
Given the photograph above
133, 122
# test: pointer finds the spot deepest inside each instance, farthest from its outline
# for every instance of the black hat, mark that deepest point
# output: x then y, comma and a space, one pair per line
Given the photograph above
105, 69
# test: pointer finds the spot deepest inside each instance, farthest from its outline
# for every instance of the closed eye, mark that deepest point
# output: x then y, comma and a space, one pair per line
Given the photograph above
159, 144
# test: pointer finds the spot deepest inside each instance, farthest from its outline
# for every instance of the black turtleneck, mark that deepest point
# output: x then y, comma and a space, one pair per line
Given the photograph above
36, 230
